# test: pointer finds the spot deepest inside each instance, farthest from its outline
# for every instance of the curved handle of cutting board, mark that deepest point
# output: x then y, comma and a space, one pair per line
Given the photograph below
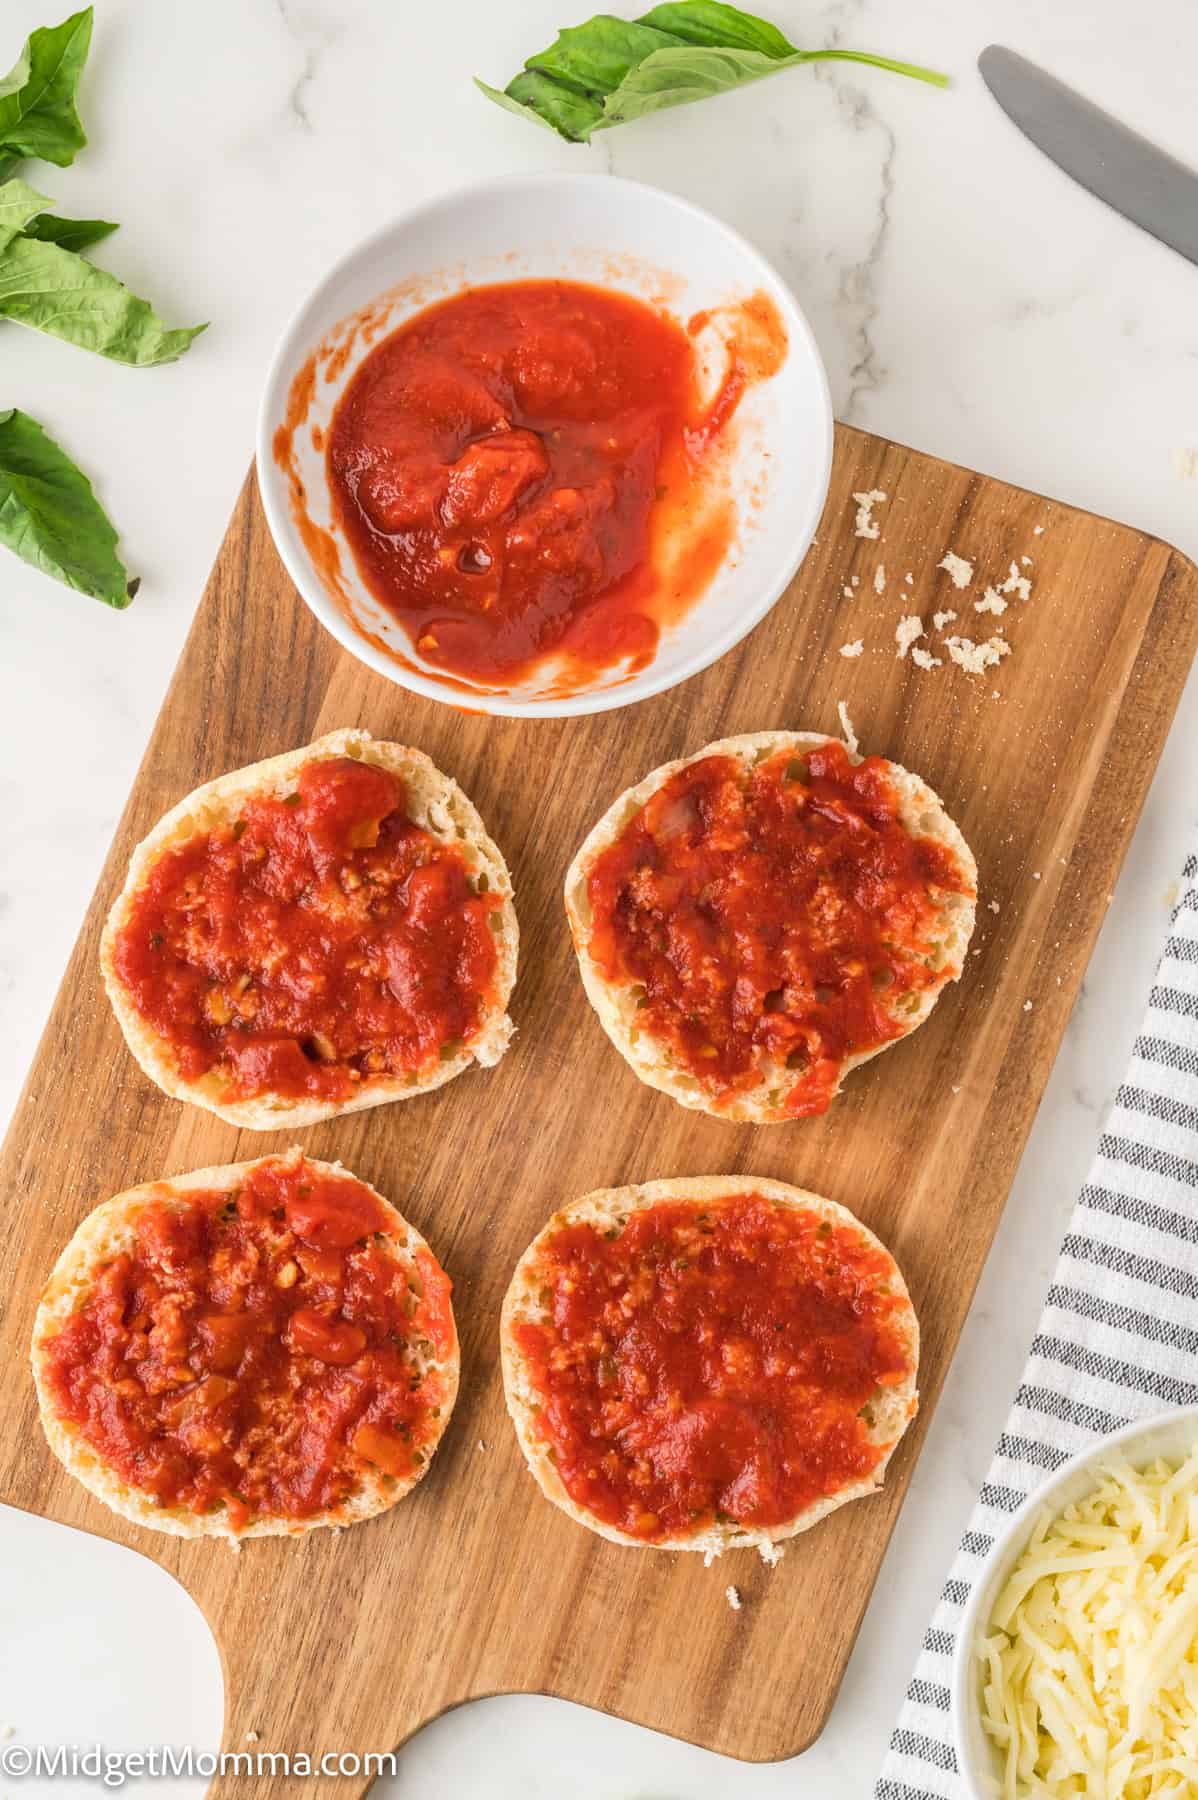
277, 1700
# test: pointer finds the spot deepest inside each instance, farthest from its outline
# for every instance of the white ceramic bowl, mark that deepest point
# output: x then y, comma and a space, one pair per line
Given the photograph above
617, 234
1172, 1435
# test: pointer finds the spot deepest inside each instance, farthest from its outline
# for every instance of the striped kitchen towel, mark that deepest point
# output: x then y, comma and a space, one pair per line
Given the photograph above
1118, 1338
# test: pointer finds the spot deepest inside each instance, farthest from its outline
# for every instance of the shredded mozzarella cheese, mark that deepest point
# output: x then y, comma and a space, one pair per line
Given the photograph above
1089, 1658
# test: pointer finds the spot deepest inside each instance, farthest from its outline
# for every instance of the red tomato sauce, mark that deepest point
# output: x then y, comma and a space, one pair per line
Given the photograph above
776, 918
323, 941
258, 1350
510, 465
711, 1362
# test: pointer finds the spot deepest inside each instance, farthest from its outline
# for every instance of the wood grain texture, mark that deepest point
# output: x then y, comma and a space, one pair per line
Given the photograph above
475, 1585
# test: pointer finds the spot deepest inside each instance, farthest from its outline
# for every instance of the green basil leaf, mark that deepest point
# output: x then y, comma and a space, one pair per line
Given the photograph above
676, 77
69, 234
680, 51
53, 290
19, 203
510, 104
723, 27
51, 518
37, 96
572, 115
594, 58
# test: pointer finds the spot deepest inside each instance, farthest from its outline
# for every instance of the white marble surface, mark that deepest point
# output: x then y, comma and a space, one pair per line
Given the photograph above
968, 300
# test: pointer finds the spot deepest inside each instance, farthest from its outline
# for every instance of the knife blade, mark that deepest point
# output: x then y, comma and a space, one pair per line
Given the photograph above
1140, 181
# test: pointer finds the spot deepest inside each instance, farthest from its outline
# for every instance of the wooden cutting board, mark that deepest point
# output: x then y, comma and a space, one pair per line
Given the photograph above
476, 1585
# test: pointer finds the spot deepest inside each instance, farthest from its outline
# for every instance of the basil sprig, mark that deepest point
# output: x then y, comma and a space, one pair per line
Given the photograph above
51, 518
610, 71
49, 515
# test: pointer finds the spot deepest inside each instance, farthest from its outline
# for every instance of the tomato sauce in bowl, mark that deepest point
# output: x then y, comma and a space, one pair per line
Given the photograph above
529, 472
569, 302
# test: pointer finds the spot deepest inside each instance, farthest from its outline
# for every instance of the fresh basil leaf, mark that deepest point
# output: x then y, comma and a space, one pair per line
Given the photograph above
723, 27
680, 51
37, 96
676, 77
53, 290
51, 518
19, 203
575, 116
510, 104
69, 234
594, 58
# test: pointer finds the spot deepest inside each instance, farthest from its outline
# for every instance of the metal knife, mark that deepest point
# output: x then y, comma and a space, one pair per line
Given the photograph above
1146, 185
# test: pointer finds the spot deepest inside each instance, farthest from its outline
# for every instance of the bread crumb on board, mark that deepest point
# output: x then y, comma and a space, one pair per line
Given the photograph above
976, 658
732, 1596
251, 1737
866, 525
1027, 1006
967, 653
994, 906
771, 1554
909, 627
1037, 531
959, 572
1016, 583
846, 726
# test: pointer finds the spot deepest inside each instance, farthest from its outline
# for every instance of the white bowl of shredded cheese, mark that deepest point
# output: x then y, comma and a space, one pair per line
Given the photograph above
1076, 1662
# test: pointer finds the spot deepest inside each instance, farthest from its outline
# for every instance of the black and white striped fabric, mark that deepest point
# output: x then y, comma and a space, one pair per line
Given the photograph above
1118, 1339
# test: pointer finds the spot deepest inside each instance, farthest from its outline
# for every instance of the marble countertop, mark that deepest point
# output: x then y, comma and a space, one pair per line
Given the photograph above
968, 299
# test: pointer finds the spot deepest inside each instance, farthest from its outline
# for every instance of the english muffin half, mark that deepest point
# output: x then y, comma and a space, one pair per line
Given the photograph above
753, 921
707, 1364
249, 1351
323, 931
